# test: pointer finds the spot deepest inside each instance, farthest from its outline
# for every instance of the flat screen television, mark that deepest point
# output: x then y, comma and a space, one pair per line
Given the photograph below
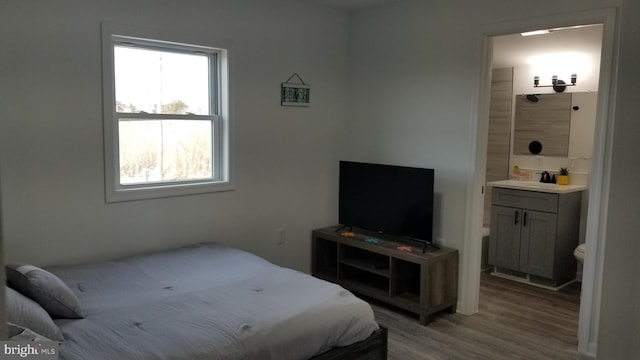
388, 199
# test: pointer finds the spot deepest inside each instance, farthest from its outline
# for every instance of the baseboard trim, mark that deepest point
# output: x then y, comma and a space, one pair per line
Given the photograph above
525, 280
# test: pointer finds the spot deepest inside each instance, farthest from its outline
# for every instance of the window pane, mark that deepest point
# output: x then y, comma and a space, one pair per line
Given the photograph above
161, 82
164, 150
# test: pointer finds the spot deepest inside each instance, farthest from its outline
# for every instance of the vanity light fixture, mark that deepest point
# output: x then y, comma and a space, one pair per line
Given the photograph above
557, 84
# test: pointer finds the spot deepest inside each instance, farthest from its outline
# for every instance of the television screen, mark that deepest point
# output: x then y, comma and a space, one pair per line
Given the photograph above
389, 199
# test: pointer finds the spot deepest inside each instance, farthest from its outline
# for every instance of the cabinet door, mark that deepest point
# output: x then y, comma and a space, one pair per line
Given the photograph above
537, 243
504, 240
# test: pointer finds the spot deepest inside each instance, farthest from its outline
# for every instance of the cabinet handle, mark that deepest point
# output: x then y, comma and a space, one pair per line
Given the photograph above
515, 221
524, 220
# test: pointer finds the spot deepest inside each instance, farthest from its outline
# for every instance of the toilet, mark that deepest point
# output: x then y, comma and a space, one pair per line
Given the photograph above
579, 253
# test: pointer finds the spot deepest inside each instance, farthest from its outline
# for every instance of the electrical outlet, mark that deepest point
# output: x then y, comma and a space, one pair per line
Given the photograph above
281, 236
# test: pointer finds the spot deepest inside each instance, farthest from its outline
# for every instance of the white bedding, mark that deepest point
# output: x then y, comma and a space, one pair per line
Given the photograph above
206, 302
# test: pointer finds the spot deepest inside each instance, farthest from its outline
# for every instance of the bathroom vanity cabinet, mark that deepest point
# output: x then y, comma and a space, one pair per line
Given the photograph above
533, 234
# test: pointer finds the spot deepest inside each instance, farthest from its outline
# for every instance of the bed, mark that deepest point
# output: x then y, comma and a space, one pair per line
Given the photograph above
205, 301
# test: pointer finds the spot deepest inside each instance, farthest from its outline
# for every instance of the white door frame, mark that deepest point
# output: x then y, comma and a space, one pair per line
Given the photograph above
599, 180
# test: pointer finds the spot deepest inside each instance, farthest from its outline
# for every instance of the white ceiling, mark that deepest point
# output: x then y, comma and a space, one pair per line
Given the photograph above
350, 4
515, 50
512, 50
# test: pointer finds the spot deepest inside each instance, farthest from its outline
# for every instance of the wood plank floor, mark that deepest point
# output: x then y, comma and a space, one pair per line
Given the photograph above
515, 321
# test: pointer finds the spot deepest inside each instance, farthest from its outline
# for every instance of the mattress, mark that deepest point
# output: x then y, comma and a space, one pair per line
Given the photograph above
206, 301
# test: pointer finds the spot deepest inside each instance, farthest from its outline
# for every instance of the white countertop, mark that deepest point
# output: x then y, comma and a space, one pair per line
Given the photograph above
537, 186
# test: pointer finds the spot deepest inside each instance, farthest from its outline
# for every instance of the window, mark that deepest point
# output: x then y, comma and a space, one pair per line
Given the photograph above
166, 116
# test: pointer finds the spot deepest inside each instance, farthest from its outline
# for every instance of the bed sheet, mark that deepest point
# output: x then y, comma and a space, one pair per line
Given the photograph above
206, 301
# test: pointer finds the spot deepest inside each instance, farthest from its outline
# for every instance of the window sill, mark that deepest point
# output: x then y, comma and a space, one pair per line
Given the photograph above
165, 191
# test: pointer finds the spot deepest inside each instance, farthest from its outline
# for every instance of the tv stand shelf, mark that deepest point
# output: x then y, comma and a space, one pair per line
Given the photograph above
372, 265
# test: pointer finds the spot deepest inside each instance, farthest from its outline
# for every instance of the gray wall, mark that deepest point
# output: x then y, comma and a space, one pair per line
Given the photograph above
413, 83
620, 312
51, 130
3, 322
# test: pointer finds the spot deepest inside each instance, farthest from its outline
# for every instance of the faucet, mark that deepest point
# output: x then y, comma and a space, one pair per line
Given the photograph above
545, 177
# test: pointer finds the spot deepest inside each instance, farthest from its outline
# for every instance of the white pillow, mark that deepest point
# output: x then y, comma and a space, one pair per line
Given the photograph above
24, 313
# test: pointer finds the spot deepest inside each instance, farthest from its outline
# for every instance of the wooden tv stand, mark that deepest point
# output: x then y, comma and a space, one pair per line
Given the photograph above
373, 265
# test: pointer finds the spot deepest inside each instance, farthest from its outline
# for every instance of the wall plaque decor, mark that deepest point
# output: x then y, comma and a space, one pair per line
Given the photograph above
295, 93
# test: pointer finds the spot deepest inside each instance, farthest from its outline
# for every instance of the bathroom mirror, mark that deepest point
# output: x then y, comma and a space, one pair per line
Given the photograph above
545, 118
563, 123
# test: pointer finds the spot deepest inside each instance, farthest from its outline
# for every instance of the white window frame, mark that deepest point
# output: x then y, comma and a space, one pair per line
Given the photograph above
113, 35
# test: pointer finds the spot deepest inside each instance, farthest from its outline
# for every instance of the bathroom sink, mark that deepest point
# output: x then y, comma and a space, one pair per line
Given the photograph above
541, 185
536, 186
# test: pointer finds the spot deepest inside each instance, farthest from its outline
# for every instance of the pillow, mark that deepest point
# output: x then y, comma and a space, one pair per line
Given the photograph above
19, 333
24, 313
46, 289
14, 329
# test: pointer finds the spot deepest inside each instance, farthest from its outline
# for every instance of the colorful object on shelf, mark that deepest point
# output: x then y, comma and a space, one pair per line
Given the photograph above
348, 234
519, 174
405, 248
372, 240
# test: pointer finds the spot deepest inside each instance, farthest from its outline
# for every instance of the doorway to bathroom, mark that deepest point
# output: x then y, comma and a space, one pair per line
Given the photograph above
529, 106
591, 288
